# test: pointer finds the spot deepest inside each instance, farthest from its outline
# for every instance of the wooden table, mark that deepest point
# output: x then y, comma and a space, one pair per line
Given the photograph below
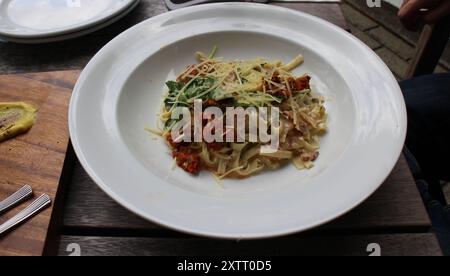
394, 217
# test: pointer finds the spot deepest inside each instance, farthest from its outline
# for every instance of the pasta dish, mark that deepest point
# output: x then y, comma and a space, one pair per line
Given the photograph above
258, 83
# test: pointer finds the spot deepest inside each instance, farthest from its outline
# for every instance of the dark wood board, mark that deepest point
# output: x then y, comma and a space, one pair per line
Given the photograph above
356, 245
37, 157
395, 206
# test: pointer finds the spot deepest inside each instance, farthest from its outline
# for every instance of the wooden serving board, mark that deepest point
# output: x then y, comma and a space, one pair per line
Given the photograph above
37, 157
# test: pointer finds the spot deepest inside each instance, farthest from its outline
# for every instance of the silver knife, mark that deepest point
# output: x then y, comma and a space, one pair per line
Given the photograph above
38, 205
24, 193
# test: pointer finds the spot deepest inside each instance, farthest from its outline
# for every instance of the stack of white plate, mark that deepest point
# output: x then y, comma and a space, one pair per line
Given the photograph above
43, 21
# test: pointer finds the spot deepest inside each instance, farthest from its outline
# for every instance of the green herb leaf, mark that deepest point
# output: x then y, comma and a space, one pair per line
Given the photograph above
169, 124
219, 94
174, 90
174, 86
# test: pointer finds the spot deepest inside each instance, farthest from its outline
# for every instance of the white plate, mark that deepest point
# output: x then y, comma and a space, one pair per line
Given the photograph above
119, 93
33, 19
76, 34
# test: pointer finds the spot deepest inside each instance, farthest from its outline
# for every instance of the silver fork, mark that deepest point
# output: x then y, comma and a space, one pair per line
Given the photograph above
39, 204
24, 193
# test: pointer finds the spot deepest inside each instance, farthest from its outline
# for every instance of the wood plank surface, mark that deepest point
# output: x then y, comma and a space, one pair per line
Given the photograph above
391, 245
331, 12
396, 206
35, 158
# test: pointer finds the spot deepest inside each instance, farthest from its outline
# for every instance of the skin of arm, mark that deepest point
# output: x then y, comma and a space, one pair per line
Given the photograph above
414, 13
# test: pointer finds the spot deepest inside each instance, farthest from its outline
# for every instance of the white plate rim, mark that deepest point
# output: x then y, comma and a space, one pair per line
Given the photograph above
69, 30
76, 34
127, 205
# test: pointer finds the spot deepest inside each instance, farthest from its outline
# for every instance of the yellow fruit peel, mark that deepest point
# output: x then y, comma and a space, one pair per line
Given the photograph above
15, 118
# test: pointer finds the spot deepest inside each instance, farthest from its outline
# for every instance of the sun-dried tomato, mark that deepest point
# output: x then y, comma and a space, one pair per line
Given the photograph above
188, 161
172, 143
185, 77
302, 83
211, 102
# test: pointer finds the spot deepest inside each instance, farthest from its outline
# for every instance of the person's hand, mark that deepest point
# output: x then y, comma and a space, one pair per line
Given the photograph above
414, 13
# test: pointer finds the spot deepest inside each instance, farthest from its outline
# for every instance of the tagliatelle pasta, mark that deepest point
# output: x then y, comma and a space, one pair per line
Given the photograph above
257, 83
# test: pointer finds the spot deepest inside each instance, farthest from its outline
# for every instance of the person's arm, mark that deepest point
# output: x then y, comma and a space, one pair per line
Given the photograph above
414, 13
